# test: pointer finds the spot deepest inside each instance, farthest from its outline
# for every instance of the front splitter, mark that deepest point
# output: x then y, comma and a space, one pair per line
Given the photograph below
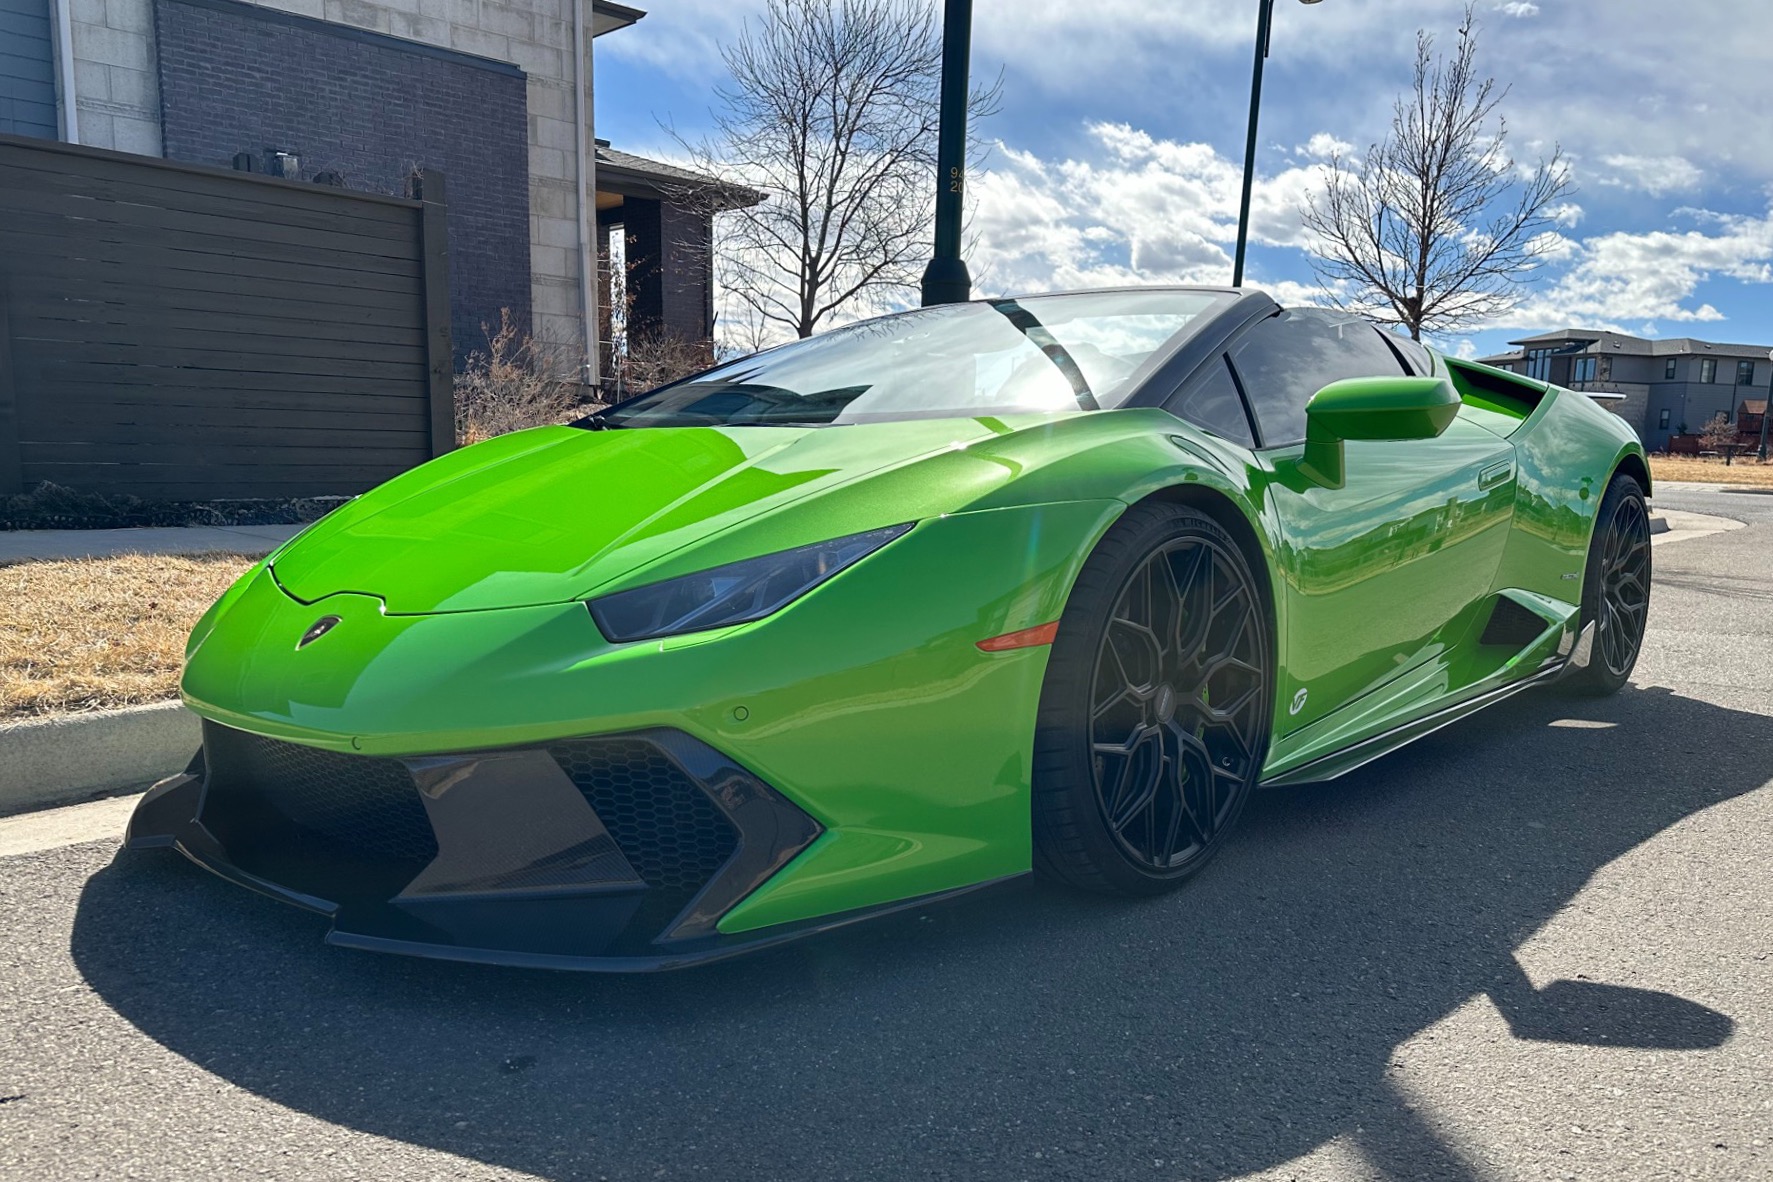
169, 817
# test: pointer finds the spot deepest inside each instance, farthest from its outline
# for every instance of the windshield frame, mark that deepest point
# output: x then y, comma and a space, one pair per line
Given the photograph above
1217, 302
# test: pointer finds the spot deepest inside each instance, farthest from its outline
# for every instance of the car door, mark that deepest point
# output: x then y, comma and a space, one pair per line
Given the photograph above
1392, 568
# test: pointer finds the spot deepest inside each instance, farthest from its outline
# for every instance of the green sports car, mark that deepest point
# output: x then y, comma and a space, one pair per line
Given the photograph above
898, 611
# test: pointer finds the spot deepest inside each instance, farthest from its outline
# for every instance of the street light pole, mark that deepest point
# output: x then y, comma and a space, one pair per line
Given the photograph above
946, 280
1766, 413
1264, 29
1264, 26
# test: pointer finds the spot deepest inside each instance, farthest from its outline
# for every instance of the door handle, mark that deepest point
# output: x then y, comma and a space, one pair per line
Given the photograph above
1495, 474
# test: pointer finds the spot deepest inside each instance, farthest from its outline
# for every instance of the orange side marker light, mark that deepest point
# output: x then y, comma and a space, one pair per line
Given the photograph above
1026, 638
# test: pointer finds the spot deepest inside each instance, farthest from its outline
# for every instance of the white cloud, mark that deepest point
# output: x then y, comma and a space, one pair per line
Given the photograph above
1656, 175
682, 38
1623, 277
1337, 65
1566, 215
1137, 208
1140, 209
1322, 146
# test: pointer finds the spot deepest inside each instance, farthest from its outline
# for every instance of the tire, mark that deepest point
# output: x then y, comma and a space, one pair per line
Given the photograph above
1615, 588
1157, 706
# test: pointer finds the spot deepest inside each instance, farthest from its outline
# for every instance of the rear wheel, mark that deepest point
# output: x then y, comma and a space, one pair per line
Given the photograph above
1155, 715
1616, 588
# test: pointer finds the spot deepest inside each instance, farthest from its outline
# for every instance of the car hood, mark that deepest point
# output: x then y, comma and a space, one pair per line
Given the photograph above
557, 513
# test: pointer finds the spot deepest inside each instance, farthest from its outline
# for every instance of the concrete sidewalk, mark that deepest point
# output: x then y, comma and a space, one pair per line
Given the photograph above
29, 545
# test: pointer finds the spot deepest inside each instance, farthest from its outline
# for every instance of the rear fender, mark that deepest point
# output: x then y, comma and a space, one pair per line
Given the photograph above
1566, 457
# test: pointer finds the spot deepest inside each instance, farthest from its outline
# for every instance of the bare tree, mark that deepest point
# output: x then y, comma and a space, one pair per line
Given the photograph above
1435, 226
832, 114
1720, 435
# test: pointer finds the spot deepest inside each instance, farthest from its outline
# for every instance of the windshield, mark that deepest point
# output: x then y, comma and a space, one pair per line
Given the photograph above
1040, 354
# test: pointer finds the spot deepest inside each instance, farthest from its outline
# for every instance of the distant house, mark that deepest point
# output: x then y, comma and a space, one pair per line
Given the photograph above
1749, 416
360, 93
1670, 387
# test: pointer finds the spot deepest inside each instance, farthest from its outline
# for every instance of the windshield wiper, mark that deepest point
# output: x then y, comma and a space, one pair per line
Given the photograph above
1050, 348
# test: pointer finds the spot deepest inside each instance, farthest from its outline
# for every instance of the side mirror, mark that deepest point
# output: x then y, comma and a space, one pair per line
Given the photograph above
1372, 409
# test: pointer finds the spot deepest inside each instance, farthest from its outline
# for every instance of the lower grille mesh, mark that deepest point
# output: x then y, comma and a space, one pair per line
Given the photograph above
368, 807
358, 801
670, 831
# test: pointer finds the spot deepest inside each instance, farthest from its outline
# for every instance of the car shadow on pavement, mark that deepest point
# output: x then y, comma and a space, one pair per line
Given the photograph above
1224, 1029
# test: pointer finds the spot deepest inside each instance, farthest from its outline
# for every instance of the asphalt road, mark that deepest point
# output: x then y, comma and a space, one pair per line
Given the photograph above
1536, 945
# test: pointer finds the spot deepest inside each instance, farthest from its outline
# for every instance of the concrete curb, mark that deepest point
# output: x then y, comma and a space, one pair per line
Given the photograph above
49, 545
1678, 525
69, 758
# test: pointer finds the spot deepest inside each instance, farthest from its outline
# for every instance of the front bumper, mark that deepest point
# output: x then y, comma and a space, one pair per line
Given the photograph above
615, 853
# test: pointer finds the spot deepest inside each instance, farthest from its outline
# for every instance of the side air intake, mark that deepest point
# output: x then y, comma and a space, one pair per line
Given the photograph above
1512, 626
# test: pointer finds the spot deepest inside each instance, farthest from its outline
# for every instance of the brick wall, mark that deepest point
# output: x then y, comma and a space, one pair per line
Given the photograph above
675, 297
119, 102
234, 78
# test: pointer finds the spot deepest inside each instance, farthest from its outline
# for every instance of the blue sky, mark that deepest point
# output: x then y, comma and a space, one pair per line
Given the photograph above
1120, 140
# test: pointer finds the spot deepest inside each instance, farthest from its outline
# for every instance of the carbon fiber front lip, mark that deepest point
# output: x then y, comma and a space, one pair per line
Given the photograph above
167, 818
524, 872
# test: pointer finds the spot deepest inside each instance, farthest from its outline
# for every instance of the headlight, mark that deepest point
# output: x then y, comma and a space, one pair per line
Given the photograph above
734, 594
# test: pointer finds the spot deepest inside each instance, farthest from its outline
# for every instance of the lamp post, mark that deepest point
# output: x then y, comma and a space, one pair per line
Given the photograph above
946, 280
1766, 413
1264, 26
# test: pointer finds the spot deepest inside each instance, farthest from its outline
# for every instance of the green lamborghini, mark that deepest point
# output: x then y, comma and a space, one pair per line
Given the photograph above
911, 607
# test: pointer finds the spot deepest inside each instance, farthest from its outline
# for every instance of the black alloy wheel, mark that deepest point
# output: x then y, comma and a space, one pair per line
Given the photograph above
1625, 587
1616, 587
1157, 708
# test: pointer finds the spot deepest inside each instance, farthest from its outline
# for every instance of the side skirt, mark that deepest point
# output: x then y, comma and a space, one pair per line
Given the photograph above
1340, 763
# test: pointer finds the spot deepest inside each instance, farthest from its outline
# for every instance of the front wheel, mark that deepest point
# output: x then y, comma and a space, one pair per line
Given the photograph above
1616, 588
1156, 710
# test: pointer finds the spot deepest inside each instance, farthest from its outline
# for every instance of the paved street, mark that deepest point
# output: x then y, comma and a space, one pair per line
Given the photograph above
1536, 945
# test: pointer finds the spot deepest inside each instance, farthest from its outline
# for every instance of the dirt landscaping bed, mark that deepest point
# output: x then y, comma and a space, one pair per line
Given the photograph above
50, 506
1707, 471
96, 633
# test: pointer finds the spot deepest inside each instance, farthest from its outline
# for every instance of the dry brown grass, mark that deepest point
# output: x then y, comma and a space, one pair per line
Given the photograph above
93, 633
1707, 471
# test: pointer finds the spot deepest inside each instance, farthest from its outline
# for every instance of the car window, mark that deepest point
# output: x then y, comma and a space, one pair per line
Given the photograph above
1287, 358
1211, 402
1039, 354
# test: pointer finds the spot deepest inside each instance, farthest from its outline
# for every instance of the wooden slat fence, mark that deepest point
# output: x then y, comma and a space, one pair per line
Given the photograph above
177, 332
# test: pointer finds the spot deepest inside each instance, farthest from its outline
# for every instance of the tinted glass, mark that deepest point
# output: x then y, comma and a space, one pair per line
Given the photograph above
1287, 358
1211, 402
1043, 353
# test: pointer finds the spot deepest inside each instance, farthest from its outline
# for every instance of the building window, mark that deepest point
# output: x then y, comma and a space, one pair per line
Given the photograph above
1583, 370
1662, 419
1708, 370
1539, 364
1668, 370
1745, 373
